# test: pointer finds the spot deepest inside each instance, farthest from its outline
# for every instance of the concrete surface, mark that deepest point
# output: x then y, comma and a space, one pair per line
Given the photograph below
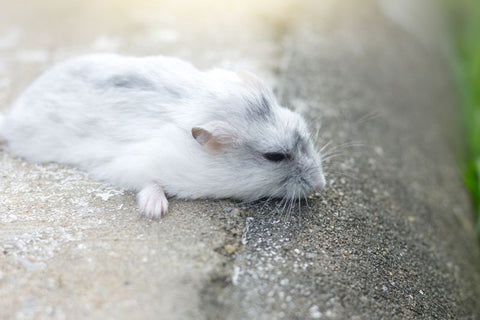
391, 238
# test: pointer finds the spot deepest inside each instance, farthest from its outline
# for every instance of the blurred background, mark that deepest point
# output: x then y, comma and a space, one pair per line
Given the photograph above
237, 34
464, 18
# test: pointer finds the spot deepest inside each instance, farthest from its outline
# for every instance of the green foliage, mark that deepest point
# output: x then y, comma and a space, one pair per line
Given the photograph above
465, 20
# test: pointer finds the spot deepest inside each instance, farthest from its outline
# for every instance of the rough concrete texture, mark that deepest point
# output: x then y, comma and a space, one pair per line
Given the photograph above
391, 237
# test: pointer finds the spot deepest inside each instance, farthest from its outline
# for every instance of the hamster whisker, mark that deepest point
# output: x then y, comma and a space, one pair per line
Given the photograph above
285, 213
292, 205
270, 198
335, 172
254, 203
288, 213
350, 144
275, 192
367, 117
330, 169
277, 204
314, 137
328, 157
334, 152
285, 202
265, 204
299, 201
306, 200
324, 146
289, 209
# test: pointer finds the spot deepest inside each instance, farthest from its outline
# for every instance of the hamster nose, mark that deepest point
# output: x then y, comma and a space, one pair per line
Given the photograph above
319, 184
318, 187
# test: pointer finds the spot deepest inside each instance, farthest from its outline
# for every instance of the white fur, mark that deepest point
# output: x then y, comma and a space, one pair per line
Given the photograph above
129, 121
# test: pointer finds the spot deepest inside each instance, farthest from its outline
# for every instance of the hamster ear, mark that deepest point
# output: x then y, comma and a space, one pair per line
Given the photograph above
214, 136
249, 78
252, 81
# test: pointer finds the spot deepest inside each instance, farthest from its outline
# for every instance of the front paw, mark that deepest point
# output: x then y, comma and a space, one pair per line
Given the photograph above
152, 201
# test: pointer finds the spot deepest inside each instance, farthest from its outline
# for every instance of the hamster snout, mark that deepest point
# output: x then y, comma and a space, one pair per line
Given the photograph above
319, 182
160, 126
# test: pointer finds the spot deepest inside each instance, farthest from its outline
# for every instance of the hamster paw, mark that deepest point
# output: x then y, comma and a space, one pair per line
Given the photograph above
152, 201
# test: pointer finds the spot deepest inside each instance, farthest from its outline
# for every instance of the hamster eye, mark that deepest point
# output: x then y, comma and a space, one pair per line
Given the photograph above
276, 156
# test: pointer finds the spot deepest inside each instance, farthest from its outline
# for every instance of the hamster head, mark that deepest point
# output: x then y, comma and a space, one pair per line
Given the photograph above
261, 149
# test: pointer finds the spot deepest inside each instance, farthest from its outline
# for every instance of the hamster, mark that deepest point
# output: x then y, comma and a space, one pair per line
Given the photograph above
160, 126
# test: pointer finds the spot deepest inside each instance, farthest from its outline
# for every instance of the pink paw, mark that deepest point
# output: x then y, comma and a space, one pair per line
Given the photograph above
152, 201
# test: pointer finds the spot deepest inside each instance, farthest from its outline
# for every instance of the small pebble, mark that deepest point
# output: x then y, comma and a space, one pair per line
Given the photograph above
229, 248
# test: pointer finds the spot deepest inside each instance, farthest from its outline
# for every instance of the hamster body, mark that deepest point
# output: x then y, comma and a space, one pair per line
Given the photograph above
160, 126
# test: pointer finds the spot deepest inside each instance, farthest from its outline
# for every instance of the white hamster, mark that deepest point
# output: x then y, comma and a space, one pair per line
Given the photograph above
162, 127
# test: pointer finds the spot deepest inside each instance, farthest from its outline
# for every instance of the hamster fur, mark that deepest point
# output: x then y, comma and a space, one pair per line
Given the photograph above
160, 126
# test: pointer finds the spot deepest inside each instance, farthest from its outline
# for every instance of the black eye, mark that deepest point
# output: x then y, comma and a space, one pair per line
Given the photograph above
276, 156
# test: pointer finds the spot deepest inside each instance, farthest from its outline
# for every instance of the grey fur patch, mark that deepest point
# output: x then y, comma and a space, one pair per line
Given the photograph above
265, 105
259, 109
298, 140
175, 94
129, 81
55, 118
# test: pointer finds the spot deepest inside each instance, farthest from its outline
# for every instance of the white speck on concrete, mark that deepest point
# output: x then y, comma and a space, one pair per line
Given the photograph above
105, 196
330, 314
315, 312
31, 265
236, 275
